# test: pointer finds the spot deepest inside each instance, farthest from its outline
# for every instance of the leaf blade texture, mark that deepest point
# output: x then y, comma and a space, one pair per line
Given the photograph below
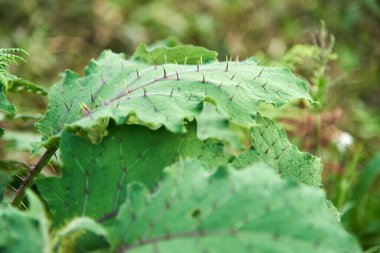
271, 145
161, 95
248, 210
95, 176
24, 231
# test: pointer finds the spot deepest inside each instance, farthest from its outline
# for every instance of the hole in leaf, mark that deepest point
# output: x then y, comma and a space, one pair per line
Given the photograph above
196, 213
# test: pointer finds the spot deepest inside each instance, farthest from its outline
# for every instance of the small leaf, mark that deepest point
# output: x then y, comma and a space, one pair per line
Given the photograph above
186, 54
271, 145
4, 103
18, 84
8, 56
249, 210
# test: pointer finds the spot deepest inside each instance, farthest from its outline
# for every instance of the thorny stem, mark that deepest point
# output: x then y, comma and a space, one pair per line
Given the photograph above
29, 179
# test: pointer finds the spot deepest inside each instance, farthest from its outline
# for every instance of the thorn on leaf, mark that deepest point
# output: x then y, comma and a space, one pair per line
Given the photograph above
137, 74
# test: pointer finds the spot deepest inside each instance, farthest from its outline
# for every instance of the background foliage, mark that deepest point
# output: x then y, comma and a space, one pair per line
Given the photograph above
344, 130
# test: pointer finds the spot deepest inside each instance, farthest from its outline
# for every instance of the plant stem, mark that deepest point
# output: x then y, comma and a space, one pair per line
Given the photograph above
29, 179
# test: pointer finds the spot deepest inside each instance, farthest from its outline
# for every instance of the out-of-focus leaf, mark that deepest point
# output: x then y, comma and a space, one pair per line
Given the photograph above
247, 210
65, 239
186, 54
24, 231
19, 84
366, 179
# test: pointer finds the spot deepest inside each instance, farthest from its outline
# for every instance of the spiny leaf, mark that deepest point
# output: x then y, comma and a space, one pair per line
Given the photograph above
185, 54
24, 231
271, 145
248, 210
8, 170
137, 93
94, 176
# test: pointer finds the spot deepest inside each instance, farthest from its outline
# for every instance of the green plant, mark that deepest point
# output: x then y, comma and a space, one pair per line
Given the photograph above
153, 160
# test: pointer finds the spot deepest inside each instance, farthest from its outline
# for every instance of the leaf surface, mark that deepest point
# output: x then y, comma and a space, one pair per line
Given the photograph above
67, 238
248, 210
24, 231
271, 145
94, 176
181, 54
4, 103
161, 95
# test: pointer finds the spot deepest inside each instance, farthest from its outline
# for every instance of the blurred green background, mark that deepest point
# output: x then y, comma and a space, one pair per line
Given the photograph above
344, 129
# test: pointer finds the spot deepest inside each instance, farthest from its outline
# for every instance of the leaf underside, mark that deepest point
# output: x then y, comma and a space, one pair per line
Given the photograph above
94, 176
161, 95
248, 210
271, 145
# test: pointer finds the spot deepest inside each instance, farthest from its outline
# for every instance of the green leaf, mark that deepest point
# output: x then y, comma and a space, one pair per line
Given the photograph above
66, 238
367, 179
20, 141
5, 179
248, 210
271, 145
2, 131
19, 84
111, 88
211, 124
4, 103
24, 231
184, 54
8, 170
8, 56
94, 176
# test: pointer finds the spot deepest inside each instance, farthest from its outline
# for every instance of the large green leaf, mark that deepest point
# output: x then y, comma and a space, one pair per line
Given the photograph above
138, 93
248, 210
24, 231
271, 145
94, 176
